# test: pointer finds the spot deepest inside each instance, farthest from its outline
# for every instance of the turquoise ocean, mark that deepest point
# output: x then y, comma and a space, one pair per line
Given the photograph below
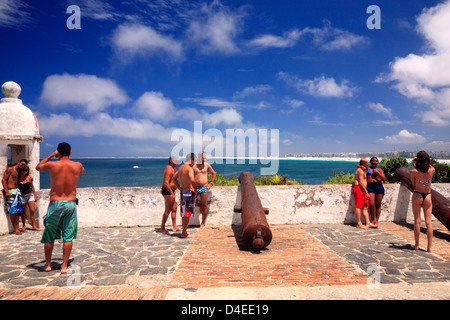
148, 172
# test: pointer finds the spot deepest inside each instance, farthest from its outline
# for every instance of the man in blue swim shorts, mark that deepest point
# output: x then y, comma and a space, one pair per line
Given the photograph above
188, 191
201, 169
61, 218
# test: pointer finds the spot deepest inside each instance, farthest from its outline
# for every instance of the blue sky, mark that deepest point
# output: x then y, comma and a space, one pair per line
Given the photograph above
138, 70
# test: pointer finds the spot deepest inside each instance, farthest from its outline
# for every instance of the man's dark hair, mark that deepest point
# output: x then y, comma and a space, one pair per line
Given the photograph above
191, 156
64, 149
24, 160
25, 169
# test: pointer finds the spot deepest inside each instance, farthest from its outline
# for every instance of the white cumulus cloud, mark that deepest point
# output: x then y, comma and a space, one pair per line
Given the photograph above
380, 108
89, 92
213, 29
426, 77
102, 124
327, 38
138, 39
320, 86
155, 106
288, 39
403, 137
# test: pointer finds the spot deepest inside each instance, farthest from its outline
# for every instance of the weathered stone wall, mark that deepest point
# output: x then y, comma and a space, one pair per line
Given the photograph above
125, 206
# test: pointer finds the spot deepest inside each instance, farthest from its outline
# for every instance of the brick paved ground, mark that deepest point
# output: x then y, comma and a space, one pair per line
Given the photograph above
299, 256
217, 258
87, 293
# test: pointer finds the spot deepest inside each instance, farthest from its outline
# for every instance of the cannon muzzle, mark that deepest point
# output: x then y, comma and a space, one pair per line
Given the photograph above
256, 232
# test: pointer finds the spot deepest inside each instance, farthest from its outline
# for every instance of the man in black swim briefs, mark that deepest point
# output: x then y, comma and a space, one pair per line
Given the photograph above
167, 191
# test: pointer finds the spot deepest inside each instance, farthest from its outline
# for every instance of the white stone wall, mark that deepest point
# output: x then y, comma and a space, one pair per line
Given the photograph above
128, 207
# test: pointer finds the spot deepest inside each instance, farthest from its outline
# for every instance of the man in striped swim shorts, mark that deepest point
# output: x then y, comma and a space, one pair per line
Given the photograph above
60, 220
188, 191
61, 217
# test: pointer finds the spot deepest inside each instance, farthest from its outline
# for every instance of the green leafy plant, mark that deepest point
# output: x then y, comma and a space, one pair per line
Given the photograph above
221, 180
442, 173
390, 165
275, 179
341, 178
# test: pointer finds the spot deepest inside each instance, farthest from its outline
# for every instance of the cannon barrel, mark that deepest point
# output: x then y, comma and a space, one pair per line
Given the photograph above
256, 232
441, 205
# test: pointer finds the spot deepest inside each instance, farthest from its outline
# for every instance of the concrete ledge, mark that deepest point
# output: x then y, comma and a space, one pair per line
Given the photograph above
144, 206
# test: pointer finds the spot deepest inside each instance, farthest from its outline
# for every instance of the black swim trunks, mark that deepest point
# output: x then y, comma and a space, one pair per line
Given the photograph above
165, 192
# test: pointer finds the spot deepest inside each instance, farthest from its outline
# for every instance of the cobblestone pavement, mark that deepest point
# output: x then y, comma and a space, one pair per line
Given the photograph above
141, 263
395, 259
100, 256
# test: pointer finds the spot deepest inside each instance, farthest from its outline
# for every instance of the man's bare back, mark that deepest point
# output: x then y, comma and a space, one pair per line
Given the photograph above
186, 176
64, 176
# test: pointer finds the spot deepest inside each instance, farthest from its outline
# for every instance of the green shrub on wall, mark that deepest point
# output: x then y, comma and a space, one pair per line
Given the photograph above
390, 165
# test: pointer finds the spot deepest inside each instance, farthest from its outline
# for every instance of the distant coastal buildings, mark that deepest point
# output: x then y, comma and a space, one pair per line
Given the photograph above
359, 155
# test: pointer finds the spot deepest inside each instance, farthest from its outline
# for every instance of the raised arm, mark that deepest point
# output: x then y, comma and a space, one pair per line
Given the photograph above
43, 166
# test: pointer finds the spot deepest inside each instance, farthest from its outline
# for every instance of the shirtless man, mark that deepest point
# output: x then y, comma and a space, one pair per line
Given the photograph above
188, 191
167, 190
10, 187
201, 169
62, 210
361, 195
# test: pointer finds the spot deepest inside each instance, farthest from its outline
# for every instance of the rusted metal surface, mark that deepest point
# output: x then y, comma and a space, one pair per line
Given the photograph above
441, 205
256, 232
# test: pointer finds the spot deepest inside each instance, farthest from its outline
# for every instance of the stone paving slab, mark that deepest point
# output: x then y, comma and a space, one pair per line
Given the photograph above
100, 256
141, 263
374, 250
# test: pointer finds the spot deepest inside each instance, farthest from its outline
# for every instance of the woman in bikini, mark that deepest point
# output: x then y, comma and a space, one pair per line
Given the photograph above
421, 177
29, 197
375, 179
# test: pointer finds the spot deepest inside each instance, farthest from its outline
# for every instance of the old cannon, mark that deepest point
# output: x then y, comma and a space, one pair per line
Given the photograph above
441, 205
255, 229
